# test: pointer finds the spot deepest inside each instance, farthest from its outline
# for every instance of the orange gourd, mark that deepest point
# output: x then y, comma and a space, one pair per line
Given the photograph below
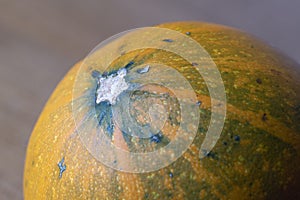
256, 156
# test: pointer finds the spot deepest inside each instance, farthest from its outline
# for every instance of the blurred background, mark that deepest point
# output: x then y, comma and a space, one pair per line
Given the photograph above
41, 40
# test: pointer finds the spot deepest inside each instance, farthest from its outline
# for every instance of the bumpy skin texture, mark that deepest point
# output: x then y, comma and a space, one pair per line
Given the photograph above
257, 156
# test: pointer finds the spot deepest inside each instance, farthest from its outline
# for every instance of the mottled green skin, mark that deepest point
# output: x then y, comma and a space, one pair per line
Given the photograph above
256, 157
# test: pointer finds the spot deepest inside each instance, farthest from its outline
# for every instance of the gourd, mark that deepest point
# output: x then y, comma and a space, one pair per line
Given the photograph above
82, 144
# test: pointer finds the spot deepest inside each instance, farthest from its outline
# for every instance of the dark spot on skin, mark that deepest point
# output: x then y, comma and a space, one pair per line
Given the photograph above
264, 117
110, 129
168, 40
114, 73
146, 195
201, 129
156, 138
96, 74
101, 117
204, 152
259, 81
195, 64
129, 65
188, 33
105, 74
237, 138
126, 137
198, 103
211, 155
219, 104
171, 175
110, 124
62, 167
105, 117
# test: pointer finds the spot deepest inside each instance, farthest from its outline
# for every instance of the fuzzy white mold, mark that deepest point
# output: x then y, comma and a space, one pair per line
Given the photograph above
110, 87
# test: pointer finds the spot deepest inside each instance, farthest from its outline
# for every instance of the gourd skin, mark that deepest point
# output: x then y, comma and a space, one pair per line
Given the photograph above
256, 157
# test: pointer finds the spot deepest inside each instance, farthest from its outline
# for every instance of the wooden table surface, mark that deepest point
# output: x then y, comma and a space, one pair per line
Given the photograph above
41, 40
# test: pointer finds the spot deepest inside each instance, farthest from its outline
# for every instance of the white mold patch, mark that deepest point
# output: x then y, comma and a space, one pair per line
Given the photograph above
143, 70
110, 87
